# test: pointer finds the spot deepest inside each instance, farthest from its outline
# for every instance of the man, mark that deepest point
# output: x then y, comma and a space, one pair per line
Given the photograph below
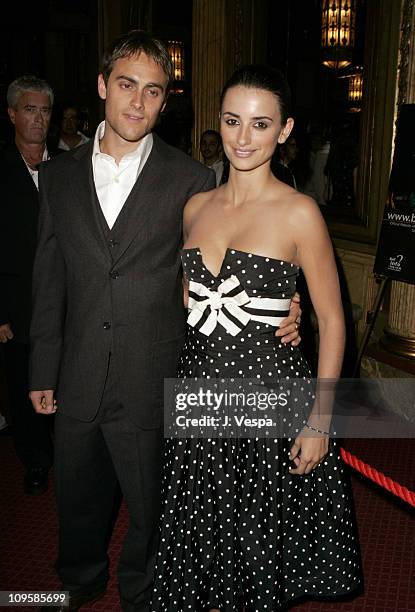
283, 157
211, 150
70, 136
30, 103
108, 319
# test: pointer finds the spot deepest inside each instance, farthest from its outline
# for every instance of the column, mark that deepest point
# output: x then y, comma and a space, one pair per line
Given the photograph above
226, 34
208, 65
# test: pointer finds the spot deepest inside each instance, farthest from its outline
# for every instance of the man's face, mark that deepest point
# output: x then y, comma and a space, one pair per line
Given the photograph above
70, 121
134, 96
210, 147
31, 117
291, 149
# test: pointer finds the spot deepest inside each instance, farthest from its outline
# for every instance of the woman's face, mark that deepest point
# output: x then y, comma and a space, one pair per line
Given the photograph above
251, 126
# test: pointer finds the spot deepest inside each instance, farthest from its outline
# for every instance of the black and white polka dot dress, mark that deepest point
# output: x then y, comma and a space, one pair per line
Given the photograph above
238, 532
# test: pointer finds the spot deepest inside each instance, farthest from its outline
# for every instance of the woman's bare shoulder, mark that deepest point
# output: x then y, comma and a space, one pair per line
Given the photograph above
301, 208
197, 202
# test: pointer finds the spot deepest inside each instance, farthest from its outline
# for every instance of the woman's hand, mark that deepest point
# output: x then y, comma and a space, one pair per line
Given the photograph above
308, 450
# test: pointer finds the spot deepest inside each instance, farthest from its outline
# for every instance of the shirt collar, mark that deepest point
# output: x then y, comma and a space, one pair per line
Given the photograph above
45, 157
141, 152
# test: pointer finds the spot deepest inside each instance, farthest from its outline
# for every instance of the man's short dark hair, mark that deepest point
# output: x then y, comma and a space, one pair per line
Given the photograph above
134, 43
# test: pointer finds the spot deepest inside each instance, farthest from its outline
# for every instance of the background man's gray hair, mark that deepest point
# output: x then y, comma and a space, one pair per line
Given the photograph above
27, 83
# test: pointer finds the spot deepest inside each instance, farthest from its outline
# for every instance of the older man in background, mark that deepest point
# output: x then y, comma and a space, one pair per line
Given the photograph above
30, 101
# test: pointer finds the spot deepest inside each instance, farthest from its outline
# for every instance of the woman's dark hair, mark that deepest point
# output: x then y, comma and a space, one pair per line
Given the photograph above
134, 43
261, 76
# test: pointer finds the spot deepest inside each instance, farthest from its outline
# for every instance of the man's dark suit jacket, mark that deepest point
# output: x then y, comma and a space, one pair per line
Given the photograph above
98, 291
19, 210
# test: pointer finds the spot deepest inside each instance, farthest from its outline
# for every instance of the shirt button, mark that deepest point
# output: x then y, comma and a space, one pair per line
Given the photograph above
114, 274
116, 179
106, 325
112, 243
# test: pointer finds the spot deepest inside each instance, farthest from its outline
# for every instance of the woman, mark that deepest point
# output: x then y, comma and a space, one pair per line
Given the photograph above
254, 523
70, 136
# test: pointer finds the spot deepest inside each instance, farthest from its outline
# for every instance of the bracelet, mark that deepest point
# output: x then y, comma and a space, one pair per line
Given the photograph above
320, 431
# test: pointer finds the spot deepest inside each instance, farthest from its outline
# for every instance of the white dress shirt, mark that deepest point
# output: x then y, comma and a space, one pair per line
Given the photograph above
35, 173
62, 144
113, 182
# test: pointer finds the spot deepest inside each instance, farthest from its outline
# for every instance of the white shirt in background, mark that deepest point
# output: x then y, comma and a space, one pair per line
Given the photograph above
35, 173
217, 166
62, 144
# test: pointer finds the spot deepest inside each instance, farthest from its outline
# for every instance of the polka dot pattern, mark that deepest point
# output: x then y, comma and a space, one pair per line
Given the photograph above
237, 530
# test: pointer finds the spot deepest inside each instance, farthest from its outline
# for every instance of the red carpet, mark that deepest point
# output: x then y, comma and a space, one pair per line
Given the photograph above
386, 526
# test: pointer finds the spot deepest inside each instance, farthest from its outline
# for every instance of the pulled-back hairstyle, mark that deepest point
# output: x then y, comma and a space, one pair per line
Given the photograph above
25, 83
261, 76
134, 43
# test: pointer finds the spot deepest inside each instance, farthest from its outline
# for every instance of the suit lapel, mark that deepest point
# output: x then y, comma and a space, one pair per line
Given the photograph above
132, 222
84, 190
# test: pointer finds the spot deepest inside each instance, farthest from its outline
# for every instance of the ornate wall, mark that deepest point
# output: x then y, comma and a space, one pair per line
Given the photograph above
226, 34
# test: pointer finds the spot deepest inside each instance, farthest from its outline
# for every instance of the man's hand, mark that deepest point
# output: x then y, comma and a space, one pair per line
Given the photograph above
288, 329
5, 333
43, 401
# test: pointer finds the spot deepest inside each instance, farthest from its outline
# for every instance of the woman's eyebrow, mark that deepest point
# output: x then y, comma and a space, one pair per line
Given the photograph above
254, 118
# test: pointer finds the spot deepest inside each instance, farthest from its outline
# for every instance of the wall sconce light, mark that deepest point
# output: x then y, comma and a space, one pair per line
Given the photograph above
356, 86
176, 52
337, 32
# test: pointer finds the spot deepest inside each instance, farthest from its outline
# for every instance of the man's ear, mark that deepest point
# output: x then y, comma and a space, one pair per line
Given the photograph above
102, 88
12, 114
286, 130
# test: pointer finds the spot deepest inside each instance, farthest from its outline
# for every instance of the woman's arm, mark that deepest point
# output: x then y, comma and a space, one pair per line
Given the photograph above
316, 258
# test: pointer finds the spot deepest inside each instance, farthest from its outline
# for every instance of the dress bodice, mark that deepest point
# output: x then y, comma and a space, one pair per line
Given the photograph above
259, 275
249, 289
